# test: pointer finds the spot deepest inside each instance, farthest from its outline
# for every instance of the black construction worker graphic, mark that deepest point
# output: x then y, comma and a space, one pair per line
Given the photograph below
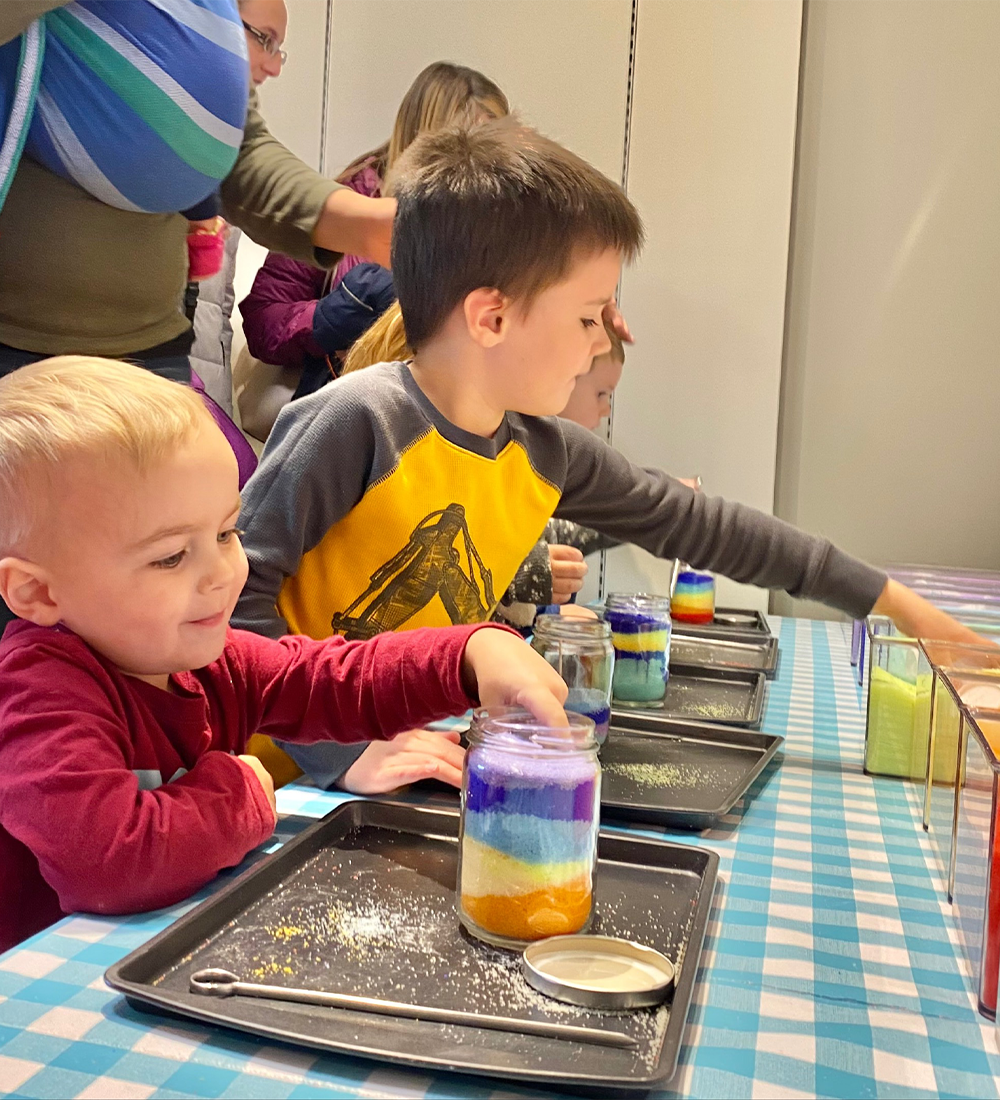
429, 565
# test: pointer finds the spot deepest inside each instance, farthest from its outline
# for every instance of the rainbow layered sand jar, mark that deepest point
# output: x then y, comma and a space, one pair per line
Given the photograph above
580, 651
693, 600
531, 803
640, 635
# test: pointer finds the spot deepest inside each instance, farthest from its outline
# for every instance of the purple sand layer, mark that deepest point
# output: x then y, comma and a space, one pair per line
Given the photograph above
635, 622
556, 803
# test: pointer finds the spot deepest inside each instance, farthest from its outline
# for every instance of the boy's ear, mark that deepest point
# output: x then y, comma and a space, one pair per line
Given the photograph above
487, 315
24, 587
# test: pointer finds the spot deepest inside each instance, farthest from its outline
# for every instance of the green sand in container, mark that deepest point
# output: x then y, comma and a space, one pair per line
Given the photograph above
639, 680
898, 726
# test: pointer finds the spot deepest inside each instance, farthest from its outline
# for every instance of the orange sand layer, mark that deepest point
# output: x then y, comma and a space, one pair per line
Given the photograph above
551, 912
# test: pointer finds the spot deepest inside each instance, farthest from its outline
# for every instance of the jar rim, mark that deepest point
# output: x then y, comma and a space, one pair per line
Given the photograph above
561, 626
640, 601
516, 729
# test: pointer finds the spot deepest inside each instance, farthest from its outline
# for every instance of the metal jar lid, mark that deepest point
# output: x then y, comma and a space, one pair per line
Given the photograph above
598, 971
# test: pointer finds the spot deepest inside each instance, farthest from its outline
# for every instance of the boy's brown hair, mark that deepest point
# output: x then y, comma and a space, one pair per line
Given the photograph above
496, 205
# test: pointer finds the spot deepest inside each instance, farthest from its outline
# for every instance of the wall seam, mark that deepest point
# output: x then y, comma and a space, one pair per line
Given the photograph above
789, 274
626, 150
327, 63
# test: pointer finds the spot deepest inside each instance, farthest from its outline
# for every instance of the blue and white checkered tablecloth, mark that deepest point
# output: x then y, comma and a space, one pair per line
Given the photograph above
831, 966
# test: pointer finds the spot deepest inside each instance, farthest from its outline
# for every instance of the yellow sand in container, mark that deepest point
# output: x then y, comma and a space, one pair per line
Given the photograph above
898, 728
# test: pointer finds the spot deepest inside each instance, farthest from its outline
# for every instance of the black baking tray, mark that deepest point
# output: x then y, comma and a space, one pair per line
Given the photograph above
727, 697
746, 651
728, 620
363, 902
684, 774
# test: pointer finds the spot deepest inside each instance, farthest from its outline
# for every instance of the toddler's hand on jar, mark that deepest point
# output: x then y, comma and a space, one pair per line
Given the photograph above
503, 670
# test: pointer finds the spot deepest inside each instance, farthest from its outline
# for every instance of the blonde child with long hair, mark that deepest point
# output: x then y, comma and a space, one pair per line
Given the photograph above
300, 317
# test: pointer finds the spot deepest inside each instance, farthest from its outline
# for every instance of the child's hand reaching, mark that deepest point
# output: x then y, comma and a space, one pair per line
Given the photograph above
568, 569
263, 777
918, 618
407, 758
503, 670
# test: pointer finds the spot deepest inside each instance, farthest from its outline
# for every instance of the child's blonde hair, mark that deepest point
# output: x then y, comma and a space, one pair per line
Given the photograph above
443, 94
384, 342
60, 410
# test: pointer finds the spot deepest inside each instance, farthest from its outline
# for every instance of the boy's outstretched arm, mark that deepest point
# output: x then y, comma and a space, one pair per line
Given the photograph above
602, 489
919, 618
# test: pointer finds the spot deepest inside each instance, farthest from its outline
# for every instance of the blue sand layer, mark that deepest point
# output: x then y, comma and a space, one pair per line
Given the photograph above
635, 622
532, 839
695, 581
640, 678
485, 790
593, 704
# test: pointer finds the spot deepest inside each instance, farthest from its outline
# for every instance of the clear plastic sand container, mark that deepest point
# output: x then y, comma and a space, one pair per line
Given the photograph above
693, 600
640, 634
898, 711
977, 854
531, 804
580, 651
942, 744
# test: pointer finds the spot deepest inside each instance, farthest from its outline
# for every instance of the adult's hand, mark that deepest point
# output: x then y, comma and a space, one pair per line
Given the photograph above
611, 315
356, 224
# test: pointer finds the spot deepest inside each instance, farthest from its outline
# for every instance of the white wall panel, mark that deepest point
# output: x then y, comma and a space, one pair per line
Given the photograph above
562, 63
712, 148
889, 442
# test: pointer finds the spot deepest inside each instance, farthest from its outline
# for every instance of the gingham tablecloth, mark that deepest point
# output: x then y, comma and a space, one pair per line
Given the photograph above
831, 966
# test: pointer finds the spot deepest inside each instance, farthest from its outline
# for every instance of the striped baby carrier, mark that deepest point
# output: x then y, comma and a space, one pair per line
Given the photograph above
141, 103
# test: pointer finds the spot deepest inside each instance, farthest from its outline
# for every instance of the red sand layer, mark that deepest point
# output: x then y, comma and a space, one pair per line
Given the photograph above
551, 912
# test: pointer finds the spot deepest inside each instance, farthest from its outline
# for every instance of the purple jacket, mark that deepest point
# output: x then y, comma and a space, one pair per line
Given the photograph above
278, 311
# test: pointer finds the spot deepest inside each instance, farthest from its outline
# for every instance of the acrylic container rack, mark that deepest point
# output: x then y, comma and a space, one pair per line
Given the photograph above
976, 853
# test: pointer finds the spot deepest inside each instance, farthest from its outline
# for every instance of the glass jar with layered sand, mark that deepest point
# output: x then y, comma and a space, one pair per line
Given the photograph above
531, 802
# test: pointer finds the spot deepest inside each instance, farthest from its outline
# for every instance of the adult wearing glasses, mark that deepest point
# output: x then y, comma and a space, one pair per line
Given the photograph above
150, 108
116, 116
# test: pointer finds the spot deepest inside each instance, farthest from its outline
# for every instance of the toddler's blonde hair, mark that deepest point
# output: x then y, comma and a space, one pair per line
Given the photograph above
63, 409
383, 342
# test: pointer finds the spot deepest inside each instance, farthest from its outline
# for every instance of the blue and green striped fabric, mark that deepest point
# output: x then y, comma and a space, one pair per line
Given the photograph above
139, 102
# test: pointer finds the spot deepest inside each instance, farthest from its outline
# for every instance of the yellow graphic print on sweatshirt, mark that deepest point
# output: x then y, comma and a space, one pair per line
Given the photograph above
436, 541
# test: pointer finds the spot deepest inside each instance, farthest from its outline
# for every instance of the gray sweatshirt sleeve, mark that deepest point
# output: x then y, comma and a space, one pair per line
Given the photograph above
313, 472
605, 491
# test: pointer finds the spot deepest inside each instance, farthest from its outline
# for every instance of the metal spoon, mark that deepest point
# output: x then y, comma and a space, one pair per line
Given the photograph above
223, 983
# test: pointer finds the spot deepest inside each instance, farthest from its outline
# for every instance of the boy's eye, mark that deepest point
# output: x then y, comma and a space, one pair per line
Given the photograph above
588, 322
171, 562
226, 535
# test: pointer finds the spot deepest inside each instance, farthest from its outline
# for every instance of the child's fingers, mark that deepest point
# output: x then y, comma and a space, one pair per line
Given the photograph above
543, 705
559, 552
569, 569
412, 767
439, 747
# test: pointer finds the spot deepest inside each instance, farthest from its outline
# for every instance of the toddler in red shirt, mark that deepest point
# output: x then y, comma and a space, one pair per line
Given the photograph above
127, 700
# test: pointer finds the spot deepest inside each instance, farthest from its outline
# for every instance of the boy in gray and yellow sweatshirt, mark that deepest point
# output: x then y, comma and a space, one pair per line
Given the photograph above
408, 494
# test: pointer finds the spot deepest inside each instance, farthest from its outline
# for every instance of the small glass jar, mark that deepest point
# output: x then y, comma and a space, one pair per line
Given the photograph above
531, 808
693, 600
580, 651
640, 635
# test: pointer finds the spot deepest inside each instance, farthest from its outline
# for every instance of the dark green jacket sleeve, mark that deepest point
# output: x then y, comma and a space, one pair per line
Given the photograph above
274, 197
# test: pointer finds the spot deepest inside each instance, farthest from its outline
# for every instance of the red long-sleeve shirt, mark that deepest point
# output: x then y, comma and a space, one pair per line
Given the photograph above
117, 796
